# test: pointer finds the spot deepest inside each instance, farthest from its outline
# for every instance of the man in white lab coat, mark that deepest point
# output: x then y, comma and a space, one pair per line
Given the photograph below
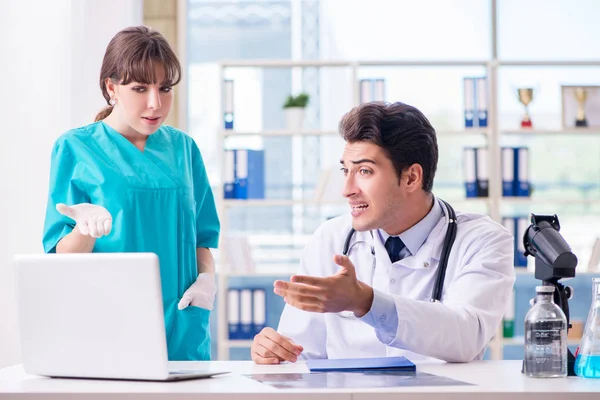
376, 302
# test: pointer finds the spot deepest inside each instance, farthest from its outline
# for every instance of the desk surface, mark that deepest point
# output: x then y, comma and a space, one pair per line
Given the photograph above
492, 379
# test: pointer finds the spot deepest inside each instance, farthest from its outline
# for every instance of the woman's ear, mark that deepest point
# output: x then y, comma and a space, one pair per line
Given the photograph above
110, 87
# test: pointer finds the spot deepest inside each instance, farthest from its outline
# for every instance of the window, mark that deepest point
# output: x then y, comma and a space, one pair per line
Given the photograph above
379, 30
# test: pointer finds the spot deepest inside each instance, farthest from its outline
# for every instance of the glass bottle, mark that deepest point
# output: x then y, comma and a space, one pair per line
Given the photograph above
545, 337
587, 363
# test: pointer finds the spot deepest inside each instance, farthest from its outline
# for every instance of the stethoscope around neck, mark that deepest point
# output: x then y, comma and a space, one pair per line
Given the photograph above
436, 294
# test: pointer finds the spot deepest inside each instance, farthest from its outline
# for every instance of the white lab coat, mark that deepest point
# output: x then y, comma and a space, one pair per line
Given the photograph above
479, 280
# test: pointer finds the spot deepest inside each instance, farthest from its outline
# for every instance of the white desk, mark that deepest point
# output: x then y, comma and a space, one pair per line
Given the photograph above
492, 379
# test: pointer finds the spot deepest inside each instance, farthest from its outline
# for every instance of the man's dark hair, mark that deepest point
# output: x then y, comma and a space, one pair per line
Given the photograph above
403, 132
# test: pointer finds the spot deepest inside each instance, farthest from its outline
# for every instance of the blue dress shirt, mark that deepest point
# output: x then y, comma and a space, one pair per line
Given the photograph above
383, 315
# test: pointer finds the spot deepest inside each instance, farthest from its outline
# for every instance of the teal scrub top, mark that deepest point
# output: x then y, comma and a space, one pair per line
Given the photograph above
160, 201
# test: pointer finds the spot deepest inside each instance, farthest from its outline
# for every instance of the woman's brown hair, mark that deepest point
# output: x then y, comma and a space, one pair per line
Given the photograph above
132, 56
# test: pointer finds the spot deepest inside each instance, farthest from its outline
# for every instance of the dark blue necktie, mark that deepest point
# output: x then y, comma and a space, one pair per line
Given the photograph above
394, 246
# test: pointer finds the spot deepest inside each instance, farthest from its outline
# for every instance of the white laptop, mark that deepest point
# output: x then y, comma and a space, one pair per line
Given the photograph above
95, 316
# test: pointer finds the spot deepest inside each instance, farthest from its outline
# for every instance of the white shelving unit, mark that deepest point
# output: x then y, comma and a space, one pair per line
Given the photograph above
227, 133
493, 134
304, 133
571, 131
274, 203
224, 344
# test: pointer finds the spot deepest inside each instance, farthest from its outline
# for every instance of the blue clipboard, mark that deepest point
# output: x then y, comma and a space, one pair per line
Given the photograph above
362, 364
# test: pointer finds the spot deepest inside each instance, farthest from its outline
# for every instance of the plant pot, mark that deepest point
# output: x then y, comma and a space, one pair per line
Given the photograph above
294, 118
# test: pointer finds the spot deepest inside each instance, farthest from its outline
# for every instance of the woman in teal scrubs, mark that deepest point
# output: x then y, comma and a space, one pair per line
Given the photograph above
128, 183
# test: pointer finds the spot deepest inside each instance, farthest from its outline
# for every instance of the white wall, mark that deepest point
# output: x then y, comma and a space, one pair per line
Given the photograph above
50, 54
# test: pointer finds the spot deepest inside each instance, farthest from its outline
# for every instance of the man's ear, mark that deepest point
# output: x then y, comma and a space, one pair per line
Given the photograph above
413, 176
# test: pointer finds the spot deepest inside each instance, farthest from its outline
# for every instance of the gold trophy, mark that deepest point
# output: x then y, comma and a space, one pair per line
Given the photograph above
581, 96
525, 97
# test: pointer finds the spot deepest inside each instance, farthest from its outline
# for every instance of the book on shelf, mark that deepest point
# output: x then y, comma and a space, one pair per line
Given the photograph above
469, 101
372, 89
469, 172
233, 313
229, 174
522, 223
508, 171
482, 172
515, 172
246, 307
476, 175
475, 92
228, 103
246, 312
517, 226
244, 174
259, 310
522, 184
481, 96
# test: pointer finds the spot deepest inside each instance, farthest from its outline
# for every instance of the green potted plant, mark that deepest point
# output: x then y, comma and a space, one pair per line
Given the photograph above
294, 110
